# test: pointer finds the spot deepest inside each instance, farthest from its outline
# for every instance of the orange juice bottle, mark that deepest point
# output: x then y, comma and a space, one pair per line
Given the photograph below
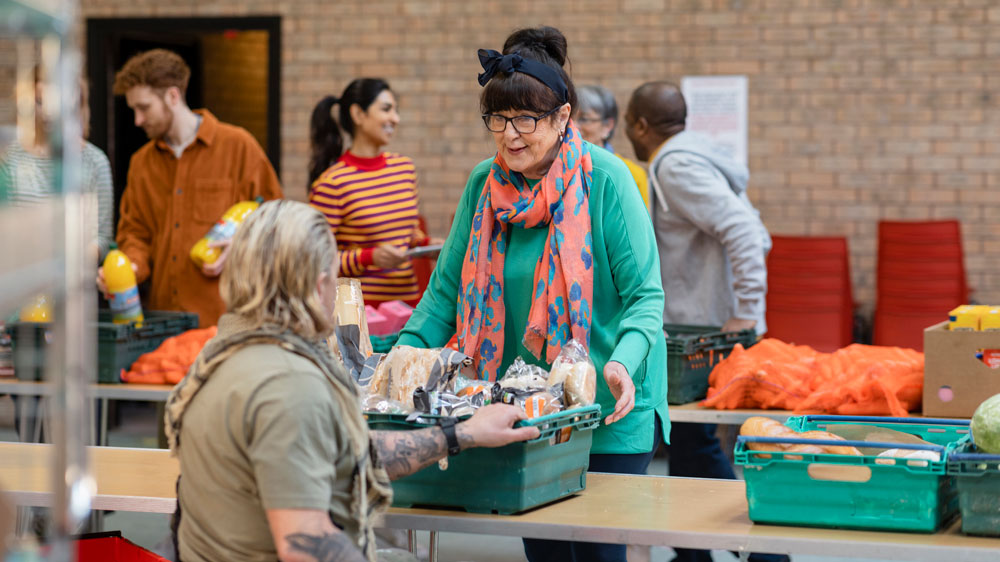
40, 310
124, 294
224, 229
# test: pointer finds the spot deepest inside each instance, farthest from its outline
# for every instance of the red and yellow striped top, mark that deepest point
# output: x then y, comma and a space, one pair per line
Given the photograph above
369, 202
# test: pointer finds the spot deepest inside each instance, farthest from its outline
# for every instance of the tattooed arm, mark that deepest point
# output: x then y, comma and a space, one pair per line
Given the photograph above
308, 535
405, 452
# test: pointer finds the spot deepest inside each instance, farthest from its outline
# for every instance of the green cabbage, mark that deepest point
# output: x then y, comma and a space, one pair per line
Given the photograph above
986, 425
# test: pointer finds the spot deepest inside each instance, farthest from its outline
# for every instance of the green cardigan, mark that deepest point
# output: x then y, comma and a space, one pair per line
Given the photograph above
627, 306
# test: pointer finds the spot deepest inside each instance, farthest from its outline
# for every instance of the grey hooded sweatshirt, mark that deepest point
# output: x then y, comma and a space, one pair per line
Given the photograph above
711, 240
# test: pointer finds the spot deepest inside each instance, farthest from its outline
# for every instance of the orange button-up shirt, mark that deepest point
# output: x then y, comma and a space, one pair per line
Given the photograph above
170, 203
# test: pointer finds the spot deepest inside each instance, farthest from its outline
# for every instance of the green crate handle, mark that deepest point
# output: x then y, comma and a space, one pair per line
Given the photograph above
586, 417
838, 442
885, 419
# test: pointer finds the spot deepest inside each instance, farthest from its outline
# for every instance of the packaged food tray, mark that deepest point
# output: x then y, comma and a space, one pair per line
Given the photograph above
505, 480
692, 353
853, 492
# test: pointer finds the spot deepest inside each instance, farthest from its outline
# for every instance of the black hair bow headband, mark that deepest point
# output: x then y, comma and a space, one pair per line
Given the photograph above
493, 62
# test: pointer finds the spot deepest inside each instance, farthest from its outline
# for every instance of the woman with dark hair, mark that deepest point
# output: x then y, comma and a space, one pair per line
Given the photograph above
550, 242
369, 197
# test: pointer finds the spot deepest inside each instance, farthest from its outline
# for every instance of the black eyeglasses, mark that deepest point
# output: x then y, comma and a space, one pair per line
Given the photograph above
524, 124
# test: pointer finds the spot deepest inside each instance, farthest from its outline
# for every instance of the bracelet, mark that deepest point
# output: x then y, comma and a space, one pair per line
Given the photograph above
450, 436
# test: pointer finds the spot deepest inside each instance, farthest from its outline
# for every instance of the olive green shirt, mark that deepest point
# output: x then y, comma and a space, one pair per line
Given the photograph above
261, 434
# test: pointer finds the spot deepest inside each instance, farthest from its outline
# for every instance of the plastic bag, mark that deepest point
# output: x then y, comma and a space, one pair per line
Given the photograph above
574, 369
353, 344
406, 369
522, 376
382, 405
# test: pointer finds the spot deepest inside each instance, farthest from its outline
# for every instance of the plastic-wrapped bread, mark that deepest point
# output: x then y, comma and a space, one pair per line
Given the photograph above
405, 369
831, 449
576, 372
350, 311
760, 426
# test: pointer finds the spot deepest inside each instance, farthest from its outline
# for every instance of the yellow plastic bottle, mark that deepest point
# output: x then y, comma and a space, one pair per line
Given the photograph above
40, 310
224, 229
122, 290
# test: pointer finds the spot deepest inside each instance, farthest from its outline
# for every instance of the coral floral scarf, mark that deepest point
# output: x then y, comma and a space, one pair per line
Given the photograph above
564, 276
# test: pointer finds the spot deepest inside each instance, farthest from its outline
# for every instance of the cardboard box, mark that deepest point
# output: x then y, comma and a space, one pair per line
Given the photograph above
956, 380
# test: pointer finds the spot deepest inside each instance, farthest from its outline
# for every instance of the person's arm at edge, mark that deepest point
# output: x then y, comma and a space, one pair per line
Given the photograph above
308, 535
405, 452
433, 321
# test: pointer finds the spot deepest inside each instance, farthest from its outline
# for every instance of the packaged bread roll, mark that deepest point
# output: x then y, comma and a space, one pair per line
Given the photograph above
576, 372
350, 312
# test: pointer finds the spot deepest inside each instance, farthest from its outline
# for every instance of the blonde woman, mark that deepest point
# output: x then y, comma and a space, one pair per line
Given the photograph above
276, 453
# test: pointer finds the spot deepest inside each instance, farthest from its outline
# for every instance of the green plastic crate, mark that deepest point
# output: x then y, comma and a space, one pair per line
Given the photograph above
853, 492
118, 345
692, 353
382, 344
504, 480
977, 476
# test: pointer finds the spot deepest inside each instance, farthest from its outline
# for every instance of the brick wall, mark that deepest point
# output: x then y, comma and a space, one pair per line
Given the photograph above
859, 109
235, 79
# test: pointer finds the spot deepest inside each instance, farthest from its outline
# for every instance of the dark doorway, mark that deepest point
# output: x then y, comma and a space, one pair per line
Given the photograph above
235, 73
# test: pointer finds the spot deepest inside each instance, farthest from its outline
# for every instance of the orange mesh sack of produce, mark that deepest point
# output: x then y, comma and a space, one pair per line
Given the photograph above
856, 380
169, 363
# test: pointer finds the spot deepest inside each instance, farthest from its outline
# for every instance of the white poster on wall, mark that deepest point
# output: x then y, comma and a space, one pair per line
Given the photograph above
717, 108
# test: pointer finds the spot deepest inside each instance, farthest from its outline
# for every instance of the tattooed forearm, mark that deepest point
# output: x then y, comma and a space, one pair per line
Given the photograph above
405, 452
332, 547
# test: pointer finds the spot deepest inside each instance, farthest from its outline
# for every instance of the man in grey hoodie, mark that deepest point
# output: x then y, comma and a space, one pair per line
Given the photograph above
712, 247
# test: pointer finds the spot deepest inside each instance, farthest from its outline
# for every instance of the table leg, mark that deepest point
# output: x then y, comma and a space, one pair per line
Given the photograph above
103, 437
434, 547
411, 541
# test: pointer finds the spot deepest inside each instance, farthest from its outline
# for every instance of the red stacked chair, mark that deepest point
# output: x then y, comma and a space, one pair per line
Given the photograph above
809, 299
920, 278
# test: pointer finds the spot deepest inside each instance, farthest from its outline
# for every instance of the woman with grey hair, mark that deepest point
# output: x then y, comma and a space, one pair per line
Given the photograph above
597, 117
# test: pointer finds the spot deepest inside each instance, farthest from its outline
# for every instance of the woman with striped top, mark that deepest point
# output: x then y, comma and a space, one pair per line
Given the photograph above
369, 197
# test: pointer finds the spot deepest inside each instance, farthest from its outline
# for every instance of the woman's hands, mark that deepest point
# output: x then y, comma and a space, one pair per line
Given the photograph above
388, 256
622, 388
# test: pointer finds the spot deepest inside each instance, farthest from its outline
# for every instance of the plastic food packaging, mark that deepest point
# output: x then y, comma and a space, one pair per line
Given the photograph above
522, 376
122, 290
574, 369
382, 405
224, 229
405, 369
353, 342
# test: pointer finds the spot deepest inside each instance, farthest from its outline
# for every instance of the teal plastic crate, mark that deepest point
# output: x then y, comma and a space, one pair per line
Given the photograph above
853, 492
692, 353
118, 345
977, 476
508, 479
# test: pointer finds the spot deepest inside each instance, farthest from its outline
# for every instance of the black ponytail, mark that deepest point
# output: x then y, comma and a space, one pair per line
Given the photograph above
325, 140
325, 136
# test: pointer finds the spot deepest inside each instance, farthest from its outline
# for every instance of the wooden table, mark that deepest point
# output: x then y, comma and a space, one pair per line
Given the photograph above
103, 393
158, 393
641, 510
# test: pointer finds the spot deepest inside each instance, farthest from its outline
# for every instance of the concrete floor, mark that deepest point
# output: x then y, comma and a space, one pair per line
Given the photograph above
137, 428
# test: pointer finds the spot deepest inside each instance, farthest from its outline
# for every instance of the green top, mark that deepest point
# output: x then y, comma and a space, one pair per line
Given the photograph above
627, 306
